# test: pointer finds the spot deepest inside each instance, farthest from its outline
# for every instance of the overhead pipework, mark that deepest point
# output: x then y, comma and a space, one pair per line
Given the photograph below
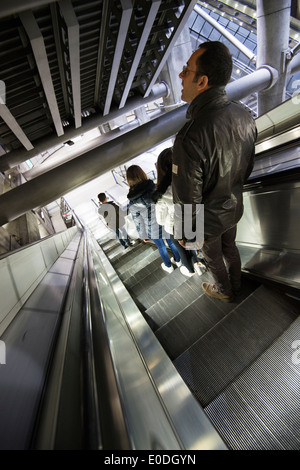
71, 61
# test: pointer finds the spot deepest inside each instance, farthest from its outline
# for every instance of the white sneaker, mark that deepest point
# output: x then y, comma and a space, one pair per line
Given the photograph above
165, 268
199, 268
178, 263
186, 272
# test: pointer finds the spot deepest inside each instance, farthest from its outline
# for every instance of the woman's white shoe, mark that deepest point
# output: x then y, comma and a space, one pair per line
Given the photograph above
165, 268
199, 268
178, 263
186, 272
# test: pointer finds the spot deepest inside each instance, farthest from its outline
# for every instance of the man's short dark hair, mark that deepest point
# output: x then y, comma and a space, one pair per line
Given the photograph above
101, 197
215, 63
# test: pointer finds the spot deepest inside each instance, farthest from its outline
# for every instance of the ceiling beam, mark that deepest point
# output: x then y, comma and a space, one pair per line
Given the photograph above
11, 159
12, 7
72, 24
59, 51
142, 43
124, 24
11, 122
101, 48
168, 50
38, 47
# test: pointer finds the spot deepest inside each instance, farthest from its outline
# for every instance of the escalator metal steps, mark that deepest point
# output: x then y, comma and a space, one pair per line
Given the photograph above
123, 258
109, 245
171, 304
138, 265
261, 409
156, 285
199, 314
215, 360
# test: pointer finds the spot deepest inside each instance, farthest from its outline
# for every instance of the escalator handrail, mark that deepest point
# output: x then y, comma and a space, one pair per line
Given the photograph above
291, 175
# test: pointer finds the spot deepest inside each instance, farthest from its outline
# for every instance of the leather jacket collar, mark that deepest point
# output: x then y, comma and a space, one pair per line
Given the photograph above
212, 98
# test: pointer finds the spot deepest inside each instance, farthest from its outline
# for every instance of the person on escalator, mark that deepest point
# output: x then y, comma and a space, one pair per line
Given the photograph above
114, 218
164, 211
142, 210
213, 155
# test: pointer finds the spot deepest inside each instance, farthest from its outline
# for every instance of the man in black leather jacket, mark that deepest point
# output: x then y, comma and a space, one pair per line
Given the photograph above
212, 158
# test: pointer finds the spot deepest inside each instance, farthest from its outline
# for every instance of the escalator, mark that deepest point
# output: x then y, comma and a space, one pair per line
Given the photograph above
236, 358
105, 350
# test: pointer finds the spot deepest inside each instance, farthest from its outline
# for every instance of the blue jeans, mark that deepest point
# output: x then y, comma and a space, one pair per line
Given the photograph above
164, 252
122, 236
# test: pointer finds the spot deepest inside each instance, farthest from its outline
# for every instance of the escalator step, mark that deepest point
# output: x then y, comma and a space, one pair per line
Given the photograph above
127, 256
214, 361
138, 266
200, 314
260, 410
150, 292
175, 301
142, 289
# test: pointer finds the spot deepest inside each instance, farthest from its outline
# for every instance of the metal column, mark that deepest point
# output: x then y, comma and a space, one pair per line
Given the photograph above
273, 24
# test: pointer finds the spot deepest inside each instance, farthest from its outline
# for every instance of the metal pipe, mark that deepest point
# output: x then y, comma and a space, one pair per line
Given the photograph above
14, 158
247, 52
97, 142
262, 79
273, 26
55, 183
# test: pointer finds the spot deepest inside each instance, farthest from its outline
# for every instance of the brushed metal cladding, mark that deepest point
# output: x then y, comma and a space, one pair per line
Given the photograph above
271, 217
22, 378
268, 233
260, 410
161, 412
275, 161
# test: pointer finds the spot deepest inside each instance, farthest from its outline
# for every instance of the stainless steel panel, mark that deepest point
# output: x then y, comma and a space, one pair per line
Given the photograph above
281, 139
280, 160
160, 410
268, 233
22, 378
271, 217
49, 294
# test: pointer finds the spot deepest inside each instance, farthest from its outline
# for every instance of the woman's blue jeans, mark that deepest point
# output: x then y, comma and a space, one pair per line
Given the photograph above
159, 242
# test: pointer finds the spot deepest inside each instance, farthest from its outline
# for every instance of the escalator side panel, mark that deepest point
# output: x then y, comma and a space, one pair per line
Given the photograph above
268, 233
29, 341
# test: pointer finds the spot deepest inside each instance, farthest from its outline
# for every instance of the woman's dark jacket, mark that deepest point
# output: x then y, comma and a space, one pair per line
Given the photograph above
213, 156
142, 210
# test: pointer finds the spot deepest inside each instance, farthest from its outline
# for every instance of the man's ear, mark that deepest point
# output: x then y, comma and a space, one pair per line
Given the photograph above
203, 83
